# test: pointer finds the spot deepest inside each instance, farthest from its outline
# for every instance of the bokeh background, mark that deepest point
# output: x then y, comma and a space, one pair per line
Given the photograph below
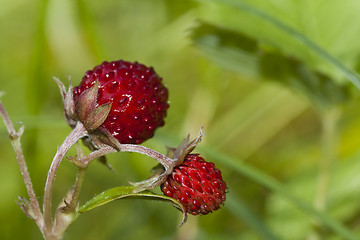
269, 81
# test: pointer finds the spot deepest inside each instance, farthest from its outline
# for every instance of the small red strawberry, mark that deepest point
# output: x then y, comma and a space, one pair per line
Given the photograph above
197, 184
137, 97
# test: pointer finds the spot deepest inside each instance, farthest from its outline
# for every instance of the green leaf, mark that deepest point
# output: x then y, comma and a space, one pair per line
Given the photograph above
230, 49
247, 56
127, 192
318, 87
288, 34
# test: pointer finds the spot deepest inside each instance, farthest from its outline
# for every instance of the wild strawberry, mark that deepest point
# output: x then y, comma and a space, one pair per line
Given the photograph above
137, 96
197, 184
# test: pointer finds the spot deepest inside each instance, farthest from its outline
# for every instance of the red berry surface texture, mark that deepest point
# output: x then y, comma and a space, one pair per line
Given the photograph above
138, 98
197, 184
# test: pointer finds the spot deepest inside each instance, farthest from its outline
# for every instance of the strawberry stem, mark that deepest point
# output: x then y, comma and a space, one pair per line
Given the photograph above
79, 181
162, 159
157, 179
76, 193
78, 132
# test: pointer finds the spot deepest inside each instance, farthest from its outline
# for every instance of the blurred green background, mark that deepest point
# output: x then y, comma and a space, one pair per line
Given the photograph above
269, 80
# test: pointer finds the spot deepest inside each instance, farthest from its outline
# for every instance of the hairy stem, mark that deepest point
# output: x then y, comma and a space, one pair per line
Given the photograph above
78, 132
15, 141
77, 188
162, 159
96, 154
79, 181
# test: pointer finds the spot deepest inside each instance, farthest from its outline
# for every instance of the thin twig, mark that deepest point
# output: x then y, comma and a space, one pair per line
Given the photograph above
78, 132
15, 141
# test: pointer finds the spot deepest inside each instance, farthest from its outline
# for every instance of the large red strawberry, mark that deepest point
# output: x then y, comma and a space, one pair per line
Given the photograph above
197, 184
137, 96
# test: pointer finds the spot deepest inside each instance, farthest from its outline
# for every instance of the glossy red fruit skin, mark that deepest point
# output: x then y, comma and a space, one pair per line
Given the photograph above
197, 184
138, 97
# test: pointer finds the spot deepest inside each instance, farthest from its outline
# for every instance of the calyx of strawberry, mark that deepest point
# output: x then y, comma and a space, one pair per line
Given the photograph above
175, 157
86, 111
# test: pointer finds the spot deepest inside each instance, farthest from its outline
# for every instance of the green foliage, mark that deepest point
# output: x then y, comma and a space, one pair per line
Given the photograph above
287, 33
263, 77
245, 55
127, 192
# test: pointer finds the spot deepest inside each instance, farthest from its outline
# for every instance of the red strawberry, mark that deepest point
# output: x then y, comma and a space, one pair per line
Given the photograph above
197, 184
138, 99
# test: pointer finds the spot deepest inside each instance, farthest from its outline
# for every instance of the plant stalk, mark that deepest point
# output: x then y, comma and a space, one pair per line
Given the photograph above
77, 188
78, 132
162, 159
15, 141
